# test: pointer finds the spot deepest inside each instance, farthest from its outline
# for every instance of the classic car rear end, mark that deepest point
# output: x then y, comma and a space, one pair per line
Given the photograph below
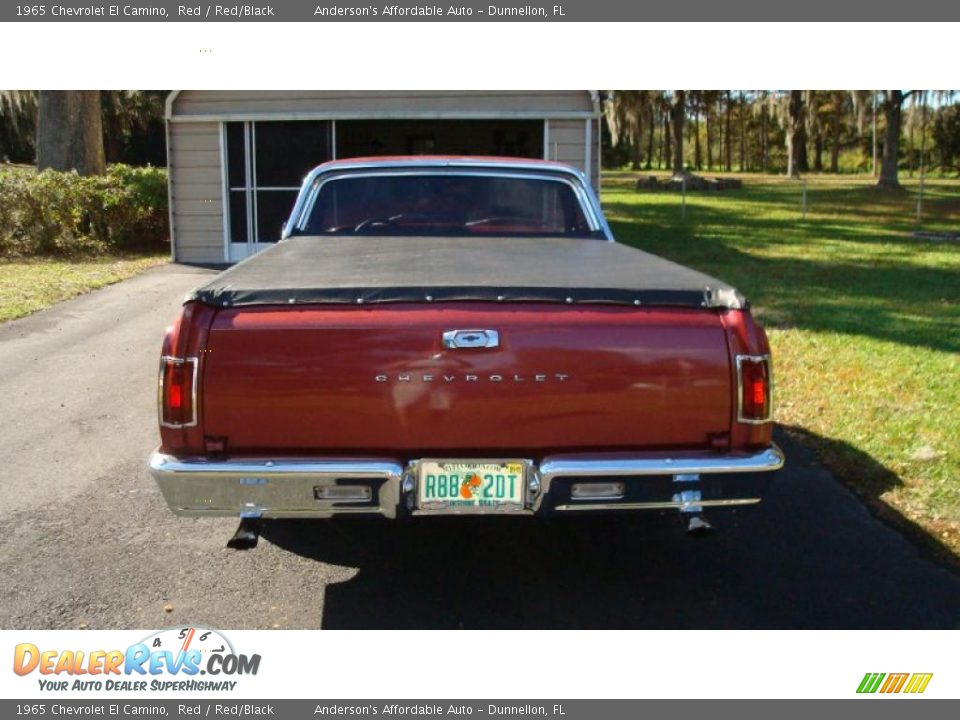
420, 344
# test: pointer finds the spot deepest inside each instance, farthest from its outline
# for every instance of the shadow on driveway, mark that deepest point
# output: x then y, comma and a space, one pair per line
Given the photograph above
810, 556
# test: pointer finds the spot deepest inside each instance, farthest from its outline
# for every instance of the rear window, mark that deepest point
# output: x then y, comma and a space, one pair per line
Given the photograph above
447, 204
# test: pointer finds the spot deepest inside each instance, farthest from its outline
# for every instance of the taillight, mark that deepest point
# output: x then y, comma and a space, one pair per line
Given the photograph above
755, 388
178, 392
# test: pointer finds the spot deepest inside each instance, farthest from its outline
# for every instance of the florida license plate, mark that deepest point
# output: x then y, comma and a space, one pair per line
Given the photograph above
458, 486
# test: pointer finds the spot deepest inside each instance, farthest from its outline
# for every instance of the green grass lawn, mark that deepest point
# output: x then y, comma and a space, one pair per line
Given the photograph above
32, 284
864, 320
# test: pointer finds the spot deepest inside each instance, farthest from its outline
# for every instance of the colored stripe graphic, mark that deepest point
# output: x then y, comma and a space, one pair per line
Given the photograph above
870, 682
894, 683
918, 683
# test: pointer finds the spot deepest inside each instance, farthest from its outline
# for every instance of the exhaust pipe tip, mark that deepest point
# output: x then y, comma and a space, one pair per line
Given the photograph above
246, 536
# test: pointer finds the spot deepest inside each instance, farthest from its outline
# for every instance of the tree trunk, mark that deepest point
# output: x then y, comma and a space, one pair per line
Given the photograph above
764, 140
637, 147
835, 140
818, 151
726, 136
110, 120
796, 137
653, 126
667, 143
911, 123
677, 112
743, 134
720, 144
709, 126
892, 106
923, 133
696, 137
69, 131
803, 164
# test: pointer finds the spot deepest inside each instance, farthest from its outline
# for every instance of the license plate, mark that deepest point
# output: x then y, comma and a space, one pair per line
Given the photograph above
468, 486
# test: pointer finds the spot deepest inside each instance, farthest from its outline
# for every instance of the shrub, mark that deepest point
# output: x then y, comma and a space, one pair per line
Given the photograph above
62, 213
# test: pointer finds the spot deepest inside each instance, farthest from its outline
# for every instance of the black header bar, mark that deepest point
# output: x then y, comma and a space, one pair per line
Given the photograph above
473, 11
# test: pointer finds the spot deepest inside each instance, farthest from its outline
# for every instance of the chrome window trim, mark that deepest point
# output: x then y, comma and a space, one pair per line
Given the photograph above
579, 190
171, 360
754, 359
574, 178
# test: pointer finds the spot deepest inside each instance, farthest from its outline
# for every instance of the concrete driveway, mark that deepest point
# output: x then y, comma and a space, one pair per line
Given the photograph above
88, 542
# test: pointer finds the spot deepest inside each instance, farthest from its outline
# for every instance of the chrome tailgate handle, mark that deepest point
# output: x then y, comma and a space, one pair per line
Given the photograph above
471, 339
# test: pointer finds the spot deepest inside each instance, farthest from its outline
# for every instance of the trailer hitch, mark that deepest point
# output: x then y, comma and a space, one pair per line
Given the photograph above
691, 511
696, 524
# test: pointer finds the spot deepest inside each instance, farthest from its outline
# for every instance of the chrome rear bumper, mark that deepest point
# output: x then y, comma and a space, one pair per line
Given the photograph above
291, 488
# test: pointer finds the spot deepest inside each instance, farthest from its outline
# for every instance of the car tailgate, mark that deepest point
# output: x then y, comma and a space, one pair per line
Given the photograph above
327, 378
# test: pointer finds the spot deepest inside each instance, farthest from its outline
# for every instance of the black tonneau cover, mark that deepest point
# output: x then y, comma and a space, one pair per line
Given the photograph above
366, 269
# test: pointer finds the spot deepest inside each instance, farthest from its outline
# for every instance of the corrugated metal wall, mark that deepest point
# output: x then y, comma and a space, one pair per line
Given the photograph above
196, 192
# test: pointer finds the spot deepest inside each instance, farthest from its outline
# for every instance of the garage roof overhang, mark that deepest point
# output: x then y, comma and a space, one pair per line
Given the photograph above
412, 114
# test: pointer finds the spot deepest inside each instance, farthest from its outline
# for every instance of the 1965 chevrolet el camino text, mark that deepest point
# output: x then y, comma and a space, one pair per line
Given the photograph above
460, 336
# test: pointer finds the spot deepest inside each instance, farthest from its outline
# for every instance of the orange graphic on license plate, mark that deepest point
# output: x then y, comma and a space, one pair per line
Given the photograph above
470, 486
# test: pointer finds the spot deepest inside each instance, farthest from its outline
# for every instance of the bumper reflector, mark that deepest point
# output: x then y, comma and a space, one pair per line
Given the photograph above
597, 491
343, 493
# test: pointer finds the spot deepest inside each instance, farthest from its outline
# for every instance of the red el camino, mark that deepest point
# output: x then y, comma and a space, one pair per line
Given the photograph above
452, 336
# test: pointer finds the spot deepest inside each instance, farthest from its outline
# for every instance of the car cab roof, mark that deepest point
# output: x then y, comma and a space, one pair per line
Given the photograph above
427, 161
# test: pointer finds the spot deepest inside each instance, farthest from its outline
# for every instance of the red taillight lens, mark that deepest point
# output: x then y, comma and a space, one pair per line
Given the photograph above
755, 389
174, 396
177, 392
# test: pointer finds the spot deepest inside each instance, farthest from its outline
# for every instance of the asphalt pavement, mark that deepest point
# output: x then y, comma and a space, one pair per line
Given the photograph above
87, 540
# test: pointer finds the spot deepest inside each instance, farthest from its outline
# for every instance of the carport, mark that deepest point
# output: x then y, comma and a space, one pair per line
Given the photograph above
237, 158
